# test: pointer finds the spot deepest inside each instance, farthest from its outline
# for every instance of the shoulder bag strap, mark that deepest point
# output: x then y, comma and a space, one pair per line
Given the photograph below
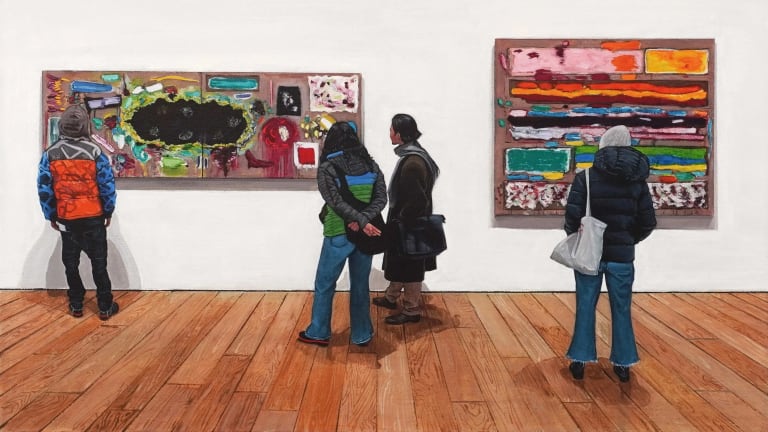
346, 194
589, 207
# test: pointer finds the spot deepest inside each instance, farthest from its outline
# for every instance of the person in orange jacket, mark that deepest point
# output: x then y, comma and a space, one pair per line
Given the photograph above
76, 188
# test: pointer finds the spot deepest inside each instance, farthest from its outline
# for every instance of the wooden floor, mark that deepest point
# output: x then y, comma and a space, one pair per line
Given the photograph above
229, 361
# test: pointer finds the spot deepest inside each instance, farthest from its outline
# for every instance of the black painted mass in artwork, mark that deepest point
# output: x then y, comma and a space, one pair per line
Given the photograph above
186, 122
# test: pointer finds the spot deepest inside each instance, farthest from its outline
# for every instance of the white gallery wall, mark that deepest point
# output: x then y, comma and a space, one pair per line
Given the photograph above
432, 59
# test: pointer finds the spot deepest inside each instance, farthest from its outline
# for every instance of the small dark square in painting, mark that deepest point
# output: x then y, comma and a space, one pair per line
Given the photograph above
288, 101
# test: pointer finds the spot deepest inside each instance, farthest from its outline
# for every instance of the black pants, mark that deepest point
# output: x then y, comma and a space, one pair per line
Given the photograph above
89, 236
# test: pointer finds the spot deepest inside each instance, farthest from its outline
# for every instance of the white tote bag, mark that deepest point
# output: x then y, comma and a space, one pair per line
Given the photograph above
583, 249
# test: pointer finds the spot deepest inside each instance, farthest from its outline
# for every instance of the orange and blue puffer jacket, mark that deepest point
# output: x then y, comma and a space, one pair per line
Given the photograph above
75, 181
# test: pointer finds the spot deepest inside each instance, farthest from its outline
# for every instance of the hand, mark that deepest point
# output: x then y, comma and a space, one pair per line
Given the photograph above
107, 222
354, 226
371, 231
54, 226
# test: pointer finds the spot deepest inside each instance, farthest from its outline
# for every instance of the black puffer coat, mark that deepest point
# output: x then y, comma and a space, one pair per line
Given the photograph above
620, 198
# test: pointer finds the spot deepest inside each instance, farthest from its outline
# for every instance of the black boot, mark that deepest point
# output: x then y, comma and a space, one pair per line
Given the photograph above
622, 372
577, 370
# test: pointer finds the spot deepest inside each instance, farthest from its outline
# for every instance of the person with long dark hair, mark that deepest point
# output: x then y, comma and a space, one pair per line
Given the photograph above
410, 196
344, 155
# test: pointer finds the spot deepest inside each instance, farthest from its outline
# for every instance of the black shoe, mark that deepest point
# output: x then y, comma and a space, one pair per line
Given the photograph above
106, 314
577, 370
76, 310
308, 340
383, 302
622, 372
402, 318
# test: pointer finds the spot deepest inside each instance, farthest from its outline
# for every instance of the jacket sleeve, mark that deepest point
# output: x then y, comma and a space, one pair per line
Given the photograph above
576, 207
378, 198
106, 182
45, 189
413, 196
645, 221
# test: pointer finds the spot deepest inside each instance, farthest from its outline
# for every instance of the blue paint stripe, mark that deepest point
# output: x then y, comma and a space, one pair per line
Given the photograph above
517, 177
674, 160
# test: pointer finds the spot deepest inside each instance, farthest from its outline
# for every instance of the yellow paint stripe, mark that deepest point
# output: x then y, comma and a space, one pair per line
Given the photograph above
174, 77
553, 175
584, 165
575, 143
681, 168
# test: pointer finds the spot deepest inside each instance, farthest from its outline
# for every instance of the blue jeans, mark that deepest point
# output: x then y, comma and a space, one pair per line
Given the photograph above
336, 250
618, 278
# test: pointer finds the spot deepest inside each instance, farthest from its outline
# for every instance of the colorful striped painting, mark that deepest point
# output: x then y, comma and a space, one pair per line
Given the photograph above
554, 99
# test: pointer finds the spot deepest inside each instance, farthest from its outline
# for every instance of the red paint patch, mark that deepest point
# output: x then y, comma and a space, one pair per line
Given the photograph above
668, 179
306, 155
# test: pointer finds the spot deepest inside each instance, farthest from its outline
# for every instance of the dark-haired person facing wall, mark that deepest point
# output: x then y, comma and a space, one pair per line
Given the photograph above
344, 155
410, 196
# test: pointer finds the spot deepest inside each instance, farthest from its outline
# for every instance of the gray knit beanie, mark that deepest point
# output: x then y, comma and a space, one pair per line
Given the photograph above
617, 136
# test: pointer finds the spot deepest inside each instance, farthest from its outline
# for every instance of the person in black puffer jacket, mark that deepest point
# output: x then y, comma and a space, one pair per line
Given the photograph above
619, 197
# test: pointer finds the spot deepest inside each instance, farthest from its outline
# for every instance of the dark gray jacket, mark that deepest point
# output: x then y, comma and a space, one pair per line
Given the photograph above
328, 186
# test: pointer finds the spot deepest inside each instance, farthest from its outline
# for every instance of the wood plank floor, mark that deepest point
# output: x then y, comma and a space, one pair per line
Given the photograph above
229, 361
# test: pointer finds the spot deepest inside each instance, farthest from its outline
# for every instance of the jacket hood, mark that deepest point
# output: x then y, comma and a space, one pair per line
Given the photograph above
75, 123
622, 163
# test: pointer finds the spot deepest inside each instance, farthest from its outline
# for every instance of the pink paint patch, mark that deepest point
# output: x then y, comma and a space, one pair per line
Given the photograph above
574, 61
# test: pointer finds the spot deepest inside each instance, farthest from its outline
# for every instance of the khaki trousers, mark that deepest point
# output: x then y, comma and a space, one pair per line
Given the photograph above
411, 296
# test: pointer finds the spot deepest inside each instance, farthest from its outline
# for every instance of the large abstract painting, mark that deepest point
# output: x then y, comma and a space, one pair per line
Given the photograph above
555, 98
206, 125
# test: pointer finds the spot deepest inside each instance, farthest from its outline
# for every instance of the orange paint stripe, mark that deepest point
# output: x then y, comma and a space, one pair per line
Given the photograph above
629, 77
620, 45
618, 86
700, 95
640, 86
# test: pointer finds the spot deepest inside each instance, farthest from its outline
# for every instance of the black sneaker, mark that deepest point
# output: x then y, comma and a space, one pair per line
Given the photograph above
622, 372
308, 340
402, 318
577, 370
106, 314
76, 310
383, 302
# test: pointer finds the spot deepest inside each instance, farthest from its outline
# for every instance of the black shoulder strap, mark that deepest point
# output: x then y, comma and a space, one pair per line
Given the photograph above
346, 194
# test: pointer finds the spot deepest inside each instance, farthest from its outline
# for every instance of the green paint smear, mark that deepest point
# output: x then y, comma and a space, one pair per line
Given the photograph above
541, 108
110, 77
682, 152
685, 176
688, 153
545, 160
173, 167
